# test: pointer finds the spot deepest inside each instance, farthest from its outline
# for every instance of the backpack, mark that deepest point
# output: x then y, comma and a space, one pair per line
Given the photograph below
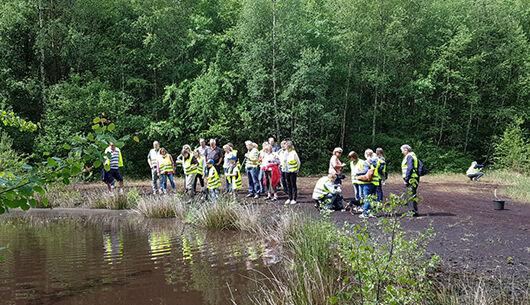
422, 169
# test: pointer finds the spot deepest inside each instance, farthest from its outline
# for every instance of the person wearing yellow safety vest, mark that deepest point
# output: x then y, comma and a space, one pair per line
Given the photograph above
327, 194
474, 171
190, 165
234, 176
292, 165
356, 165
166, 169
252, 166
381, 157
282, 155
213, 181
409, 169
201, 167
152, 160
115, 161
369, 188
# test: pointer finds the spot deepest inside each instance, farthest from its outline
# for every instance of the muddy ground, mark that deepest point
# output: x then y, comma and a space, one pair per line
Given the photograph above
471, 237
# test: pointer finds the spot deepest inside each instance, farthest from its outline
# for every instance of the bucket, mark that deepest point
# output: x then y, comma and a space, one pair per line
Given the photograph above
498, 204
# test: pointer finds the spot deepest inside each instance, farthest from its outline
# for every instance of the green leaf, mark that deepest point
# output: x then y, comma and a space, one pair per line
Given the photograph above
107, 167
45, 201
95, 127
111, 127
90, 137
135, 138
51, 162
39, 189
27, 167
97, 163
96, 120
33, 203
66, 146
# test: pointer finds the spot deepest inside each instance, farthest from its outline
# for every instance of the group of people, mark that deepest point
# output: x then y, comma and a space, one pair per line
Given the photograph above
368, 177
265, 168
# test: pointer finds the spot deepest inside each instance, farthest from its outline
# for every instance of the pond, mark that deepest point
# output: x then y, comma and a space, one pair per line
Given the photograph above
51, 259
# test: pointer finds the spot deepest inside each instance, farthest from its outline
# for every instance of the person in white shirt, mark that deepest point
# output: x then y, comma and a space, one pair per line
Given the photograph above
327, 194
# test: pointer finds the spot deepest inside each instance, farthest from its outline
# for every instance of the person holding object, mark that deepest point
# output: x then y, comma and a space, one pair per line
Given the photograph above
411, 179
335, 165
327, 194
292, 167
282, 156
152, 160
115, 161
474, 172
166, 169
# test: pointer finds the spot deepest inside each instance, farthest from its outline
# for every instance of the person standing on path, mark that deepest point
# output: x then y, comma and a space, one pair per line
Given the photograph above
234, 176
269, 166
369, 187
226, 165
213, 152
252, 167
292, 166
411, 179
335, 165
190, 165
152, 160
356, 165
282, 156
166, 169
115, 162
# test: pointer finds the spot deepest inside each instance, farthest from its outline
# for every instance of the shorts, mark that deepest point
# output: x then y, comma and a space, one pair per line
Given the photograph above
109, 176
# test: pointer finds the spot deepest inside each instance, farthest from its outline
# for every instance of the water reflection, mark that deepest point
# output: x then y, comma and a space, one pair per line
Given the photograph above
57, 260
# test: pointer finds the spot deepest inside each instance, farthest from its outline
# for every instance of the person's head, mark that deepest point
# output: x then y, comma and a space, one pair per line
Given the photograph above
267, 148
368, 154
231, 145
112, 146
186, 147
380, 153
227, 148
353, 156
332, 177
156, 145
213, 143
233, 160
255, 145
197, 153
289, 145
282, 144
271, 141
202, 142
185, 153
163, 151
210, 163
337, 151
405, 149
249, 145
474, 163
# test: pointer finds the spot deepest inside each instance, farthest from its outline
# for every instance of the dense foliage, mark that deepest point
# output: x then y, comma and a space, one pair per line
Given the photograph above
443, 76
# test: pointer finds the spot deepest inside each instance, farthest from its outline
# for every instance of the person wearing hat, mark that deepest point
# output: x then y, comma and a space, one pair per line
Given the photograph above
213, 180
335, 165
190, 165
474, 172
234, 176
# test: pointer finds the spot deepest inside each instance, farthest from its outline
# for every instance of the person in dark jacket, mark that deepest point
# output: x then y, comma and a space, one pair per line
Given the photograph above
411, 179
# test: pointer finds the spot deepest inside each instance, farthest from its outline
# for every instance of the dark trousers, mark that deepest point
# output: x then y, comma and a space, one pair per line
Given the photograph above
201, 180
291, 186
284, 182
412, 199
268, 181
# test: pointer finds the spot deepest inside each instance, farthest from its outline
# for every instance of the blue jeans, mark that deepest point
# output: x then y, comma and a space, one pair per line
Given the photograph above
358, 190
368, 189
213, 193
338, 181
154, 179
164, 178
379, 192
228, 184
332, 202
253, 181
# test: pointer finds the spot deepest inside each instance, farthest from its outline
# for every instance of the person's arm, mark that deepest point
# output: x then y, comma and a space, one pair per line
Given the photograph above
158, 167
410, 169
172, 163
194, 163
220, 157
364, 170
479, 166
149, 158
297, 160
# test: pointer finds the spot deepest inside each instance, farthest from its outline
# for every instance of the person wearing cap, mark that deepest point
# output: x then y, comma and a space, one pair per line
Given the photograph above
327, 194
152, 160
356, 165
190, 165
234, 176
252, 166
213, 180
335, 165
165, 169
474, 172
411, 179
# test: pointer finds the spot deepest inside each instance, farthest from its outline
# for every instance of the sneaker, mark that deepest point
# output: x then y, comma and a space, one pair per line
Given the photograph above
363, 216
288, 201
256, 197
250, 195
274, 198
371, 215
268, 198
293, 201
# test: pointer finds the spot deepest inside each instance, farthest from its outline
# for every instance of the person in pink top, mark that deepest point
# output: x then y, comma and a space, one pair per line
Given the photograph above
335, 165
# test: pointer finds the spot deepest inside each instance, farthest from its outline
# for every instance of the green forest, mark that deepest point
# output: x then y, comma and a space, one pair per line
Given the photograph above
447, 77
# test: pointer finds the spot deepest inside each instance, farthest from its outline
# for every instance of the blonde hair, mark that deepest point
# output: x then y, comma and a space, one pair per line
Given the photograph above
368, 153
227, 147
289, 145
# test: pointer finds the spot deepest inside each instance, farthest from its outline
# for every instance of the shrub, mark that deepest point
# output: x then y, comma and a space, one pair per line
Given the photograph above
512, 149
158, 207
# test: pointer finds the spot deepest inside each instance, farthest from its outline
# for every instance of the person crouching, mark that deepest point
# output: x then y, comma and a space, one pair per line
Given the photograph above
327, 194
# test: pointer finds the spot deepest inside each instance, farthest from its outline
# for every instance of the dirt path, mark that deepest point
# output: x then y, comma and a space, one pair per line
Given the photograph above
470, 235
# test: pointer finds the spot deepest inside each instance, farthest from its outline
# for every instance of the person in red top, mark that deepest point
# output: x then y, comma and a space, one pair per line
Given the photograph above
335, 165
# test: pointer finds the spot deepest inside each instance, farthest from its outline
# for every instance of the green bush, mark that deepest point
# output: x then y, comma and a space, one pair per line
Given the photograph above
512, 149
10, 160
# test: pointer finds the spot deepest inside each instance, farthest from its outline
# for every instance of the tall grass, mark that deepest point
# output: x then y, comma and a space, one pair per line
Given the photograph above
161, 207
224, 214
517, 184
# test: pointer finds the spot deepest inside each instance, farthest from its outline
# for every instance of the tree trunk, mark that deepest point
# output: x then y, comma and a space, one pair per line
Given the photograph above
274, 93
468, 127
345, 109
374, 117
41, 27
